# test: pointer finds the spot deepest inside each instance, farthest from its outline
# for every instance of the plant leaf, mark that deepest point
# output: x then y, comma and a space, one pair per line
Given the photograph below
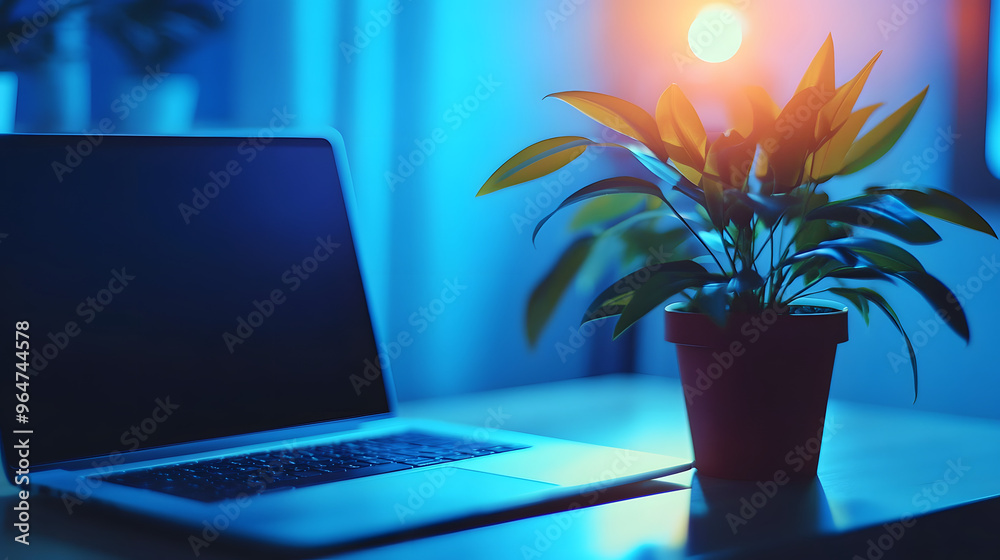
857, 300
883, 214
537, 160
829, 158
679, 125
857, 273
608, 308
601, 210
651, 285
937, 204
880, 139
820, 72
615, 185
840, 104
879, 253
715, 202
711, 300
940, 297
659, 168
619, 115
546, 295
880, 302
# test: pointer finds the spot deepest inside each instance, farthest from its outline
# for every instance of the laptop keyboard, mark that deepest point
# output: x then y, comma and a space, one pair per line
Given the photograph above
212, 480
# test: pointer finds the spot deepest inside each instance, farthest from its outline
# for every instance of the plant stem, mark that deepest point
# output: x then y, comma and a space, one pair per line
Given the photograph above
696, 236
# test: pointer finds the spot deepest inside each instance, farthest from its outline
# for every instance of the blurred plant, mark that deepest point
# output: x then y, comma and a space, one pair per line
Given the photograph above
30, 31
156, 32
768, 235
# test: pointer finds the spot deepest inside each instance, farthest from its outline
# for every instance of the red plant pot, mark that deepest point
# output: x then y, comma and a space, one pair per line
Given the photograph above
756, 389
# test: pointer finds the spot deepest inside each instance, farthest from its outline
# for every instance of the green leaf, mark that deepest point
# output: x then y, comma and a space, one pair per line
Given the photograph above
880, 139
601, 210
537, 160
883, 214
715, 203
615, 185
941, 298
601, 307
880, 302
550, 290
938, 204
881, 254
619, 115
857, 300
649, 245
857, 273
711, 300
650, 286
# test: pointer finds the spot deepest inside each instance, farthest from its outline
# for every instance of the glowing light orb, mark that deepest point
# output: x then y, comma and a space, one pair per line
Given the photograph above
716, 33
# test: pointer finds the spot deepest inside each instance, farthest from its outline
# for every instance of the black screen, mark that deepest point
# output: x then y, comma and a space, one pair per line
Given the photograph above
179, 289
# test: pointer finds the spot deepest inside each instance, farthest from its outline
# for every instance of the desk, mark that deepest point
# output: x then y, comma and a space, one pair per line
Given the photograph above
879, 467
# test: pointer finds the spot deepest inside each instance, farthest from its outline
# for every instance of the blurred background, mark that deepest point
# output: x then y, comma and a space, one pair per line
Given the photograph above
433, 95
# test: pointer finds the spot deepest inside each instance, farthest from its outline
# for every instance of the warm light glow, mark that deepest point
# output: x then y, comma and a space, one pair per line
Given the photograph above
716, 33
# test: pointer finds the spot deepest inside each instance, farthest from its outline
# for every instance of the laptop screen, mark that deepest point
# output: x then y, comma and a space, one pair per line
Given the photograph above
178, 289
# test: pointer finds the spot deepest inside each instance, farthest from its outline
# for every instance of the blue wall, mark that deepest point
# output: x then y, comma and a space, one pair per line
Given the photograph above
456, 88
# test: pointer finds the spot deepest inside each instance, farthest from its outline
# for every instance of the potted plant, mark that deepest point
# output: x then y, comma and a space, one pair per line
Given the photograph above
759, 237
152, 35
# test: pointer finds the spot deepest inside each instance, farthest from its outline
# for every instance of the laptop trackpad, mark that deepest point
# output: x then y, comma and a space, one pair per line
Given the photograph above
383, 504
443, 490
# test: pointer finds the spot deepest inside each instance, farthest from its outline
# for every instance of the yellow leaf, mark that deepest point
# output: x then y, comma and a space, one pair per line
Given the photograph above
763, 112
619, 115
880, 139
692, 174
537, 160
680, 125
841, 103
820, 72
791, 139
830, 157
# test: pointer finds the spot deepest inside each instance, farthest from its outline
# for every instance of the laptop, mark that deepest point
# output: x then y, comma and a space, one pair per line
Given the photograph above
195, 345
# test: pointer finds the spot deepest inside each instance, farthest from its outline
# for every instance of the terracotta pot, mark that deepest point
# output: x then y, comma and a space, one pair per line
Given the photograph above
756, 390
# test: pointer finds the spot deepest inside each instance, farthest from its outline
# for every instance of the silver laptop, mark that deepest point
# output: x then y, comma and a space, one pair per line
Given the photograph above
194, 345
